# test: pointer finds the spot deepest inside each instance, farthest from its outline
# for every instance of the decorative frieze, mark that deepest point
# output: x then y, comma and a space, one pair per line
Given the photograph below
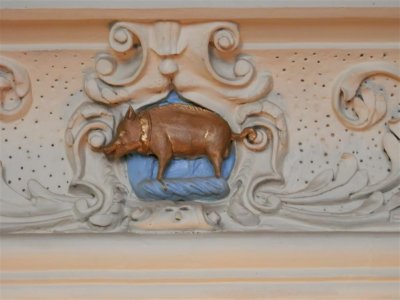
200, 69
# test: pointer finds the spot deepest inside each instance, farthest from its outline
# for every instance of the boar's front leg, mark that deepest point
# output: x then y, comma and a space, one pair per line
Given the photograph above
162, 149
163, 160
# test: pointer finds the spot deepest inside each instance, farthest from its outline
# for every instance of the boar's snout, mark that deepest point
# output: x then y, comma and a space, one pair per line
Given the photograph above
110, 150
116, 149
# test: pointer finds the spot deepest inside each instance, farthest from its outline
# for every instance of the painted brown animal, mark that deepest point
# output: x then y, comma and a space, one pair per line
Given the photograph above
175, 130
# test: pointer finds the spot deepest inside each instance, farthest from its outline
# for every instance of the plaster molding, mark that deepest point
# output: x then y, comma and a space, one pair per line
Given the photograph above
245, 46
34, 4
219, 266
205, 10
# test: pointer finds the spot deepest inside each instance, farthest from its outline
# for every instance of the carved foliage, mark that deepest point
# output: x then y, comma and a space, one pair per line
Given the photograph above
342, 198
41, 211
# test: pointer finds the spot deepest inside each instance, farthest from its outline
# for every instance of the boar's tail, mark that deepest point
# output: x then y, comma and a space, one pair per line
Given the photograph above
249, 133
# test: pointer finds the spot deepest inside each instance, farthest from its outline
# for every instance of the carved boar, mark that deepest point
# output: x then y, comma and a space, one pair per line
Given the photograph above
175, 130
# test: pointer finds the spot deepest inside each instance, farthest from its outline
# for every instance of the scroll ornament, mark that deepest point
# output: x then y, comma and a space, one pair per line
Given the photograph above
357, 105
15, 90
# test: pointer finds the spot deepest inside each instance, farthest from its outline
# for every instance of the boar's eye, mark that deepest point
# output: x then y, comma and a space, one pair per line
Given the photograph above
122, 133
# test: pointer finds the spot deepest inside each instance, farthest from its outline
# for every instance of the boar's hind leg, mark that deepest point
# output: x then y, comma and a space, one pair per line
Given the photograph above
216, 160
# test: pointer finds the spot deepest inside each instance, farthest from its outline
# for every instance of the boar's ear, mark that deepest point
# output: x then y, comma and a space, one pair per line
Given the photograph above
130, 114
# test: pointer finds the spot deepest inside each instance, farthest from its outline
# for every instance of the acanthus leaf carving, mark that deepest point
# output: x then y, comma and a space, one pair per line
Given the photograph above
41, 210
341, 199
391, 146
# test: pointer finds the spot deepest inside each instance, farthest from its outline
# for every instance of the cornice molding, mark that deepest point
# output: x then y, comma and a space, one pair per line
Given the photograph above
153, 4
202, 14
234, 266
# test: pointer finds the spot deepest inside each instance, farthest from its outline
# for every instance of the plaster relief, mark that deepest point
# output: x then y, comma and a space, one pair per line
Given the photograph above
236, 96
237, 179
